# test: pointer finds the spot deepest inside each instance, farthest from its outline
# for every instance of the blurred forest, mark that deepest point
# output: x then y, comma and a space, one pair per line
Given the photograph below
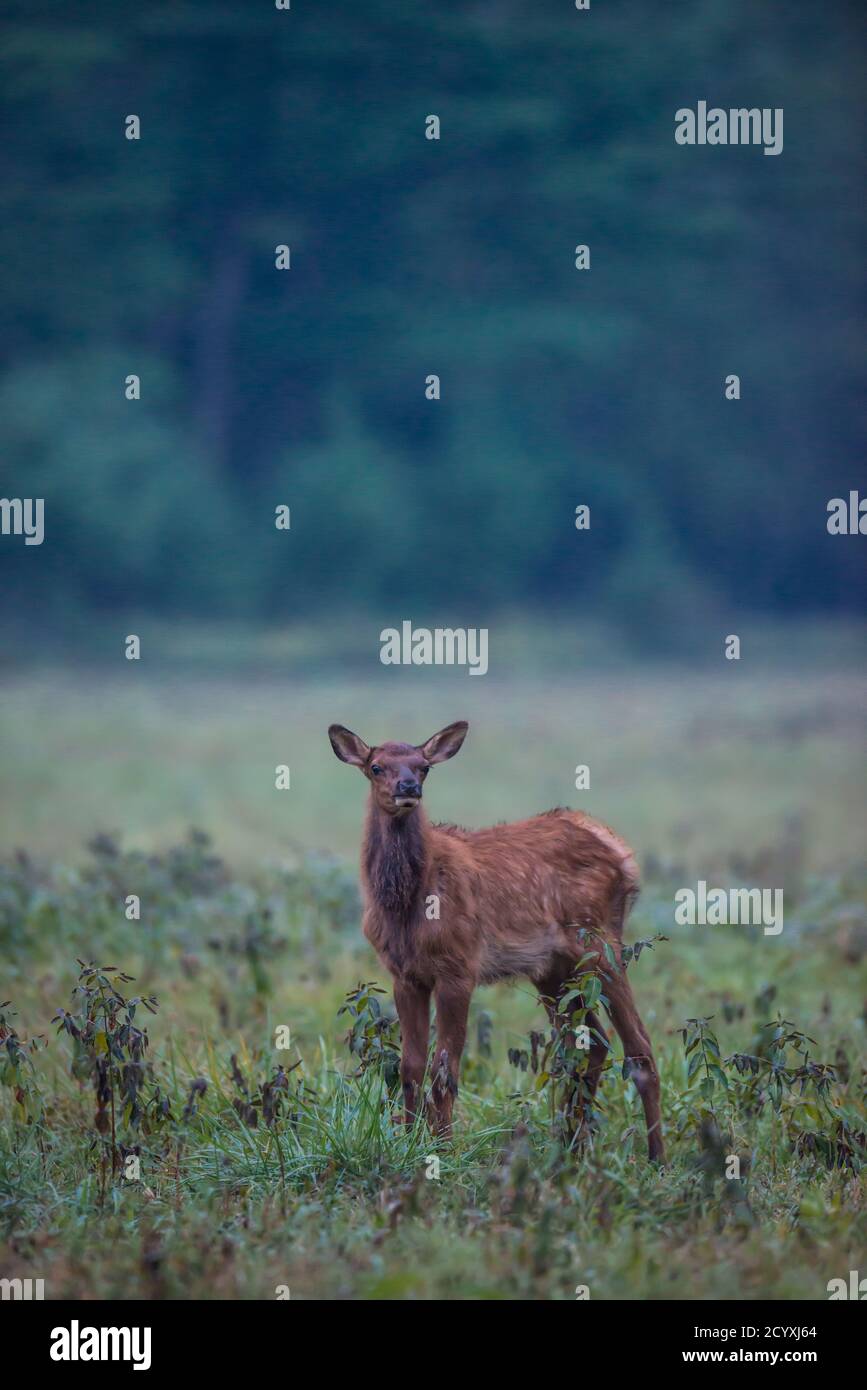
412, 257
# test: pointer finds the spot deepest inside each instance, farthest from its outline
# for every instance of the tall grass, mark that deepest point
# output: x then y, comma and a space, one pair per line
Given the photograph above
254, 1168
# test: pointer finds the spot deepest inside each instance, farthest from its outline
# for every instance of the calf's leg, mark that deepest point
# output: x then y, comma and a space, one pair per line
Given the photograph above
638, 1052
452, 1008
413, 1009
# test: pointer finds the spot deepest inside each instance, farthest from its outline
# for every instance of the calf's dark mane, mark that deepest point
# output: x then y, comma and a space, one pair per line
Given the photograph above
395, 862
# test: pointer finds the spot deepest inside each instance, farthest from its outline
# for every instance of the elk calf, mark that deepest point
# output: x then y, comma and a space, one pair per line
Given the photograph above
512, 900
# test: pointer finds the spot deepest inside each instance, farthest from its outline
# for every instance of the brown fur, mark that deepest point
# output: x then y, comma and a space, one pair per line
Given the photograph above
512, 899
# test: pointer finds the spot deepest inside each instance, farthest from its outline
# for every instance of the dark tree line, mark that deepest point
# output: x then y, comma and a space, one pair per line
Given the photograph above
412, 257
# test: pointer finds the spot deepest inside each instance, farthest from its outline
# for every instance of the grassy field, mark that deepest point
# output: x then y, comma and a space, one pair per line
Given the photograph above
247, 1186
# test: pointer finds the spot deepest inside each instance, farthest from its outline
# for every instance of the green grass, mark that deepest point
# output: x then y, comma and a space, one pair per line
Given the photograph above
335, 1202
729, 778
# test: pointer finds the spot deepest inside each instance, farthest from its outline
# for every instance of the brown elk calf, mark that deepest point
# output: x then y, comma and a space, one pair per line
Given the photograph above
512, 900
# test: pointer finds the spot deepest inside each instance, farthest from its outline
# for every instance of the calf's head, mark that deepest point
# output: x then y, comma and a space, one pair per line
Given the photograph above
396, 771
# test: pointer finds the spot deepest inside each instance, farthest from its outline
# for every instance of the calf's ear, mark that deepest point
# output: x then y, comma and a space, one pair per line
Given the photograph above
348, 746
442, 746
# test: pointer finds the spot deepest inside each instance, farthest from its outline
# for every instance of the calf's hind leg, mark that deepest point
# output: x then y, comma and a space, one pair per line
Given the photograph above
637, 1051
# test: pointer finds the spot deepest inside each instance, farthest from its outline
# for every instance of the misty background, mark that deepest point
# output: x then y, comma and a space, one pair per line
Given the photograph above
306, 388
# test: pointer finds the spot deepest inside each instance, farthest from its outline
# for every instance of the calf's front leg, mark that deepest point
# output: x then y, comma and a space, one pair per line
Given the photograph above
413, 1009
452, 1008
